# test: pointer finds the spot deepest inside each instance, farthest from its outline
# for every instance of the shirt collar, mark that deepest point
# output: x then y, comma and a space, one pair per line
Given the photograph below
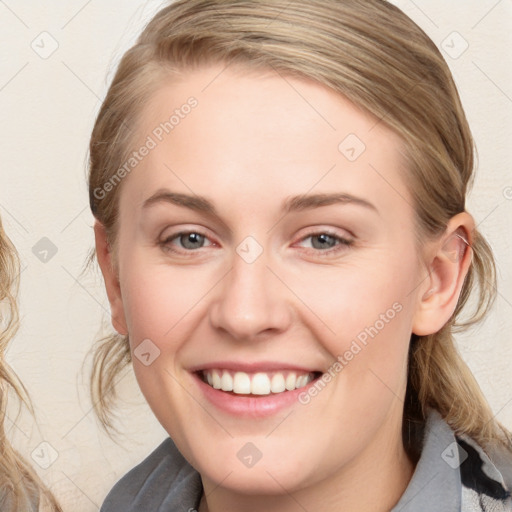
436, 483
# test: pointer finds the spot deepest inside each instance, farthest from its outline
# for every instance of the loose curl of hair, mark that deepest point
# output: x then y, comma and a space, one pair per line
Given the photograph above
20, 486
370, 52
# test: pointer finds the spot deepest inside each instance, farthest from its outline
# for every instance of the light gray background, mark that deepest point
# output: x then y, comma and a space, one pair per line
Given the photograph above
47, 108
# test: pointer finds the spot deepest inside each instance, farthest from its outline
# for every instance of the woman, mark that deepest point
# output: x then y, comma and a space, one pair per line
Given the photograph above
279, 189
20, 487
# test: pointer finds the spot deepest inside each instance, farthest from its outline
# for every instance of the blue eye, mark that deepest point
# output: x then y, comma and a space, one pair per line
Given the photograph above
327, 242
323, 241
189, 240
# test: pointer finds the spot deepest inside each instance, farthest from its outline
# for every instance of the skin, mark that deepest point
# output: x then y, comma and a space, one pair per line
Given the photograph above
253, 141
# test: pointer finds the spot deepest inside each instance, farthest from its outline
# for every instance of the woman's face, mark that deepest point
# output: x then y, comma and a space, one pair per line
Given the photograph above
266, 243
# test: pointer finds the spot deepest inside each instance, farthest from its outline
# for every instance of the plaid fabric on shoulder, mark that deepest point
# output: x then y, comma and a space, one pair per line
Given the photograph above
483, 486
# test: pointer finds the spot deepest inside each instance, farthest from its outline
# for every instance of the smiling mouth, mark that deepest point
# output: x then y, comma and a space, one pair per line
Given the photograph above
258, 383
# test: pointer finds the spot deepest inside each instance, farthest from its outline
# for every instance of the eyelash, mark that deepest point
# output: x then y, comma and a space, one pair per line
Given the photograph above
342, 243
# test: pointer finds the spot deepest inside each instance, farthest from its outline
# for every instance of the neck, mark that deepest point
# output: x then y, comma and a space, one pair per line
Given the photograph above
372, 483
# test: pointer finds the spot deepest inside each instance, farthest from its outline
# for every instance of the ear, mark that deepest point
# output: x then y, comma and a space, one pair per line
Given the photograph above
105, 260
448, 263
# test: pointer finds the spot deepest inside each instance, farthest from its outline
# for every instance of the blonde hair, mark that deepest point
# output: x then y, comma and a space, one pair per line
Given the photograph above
373, 54
20, 487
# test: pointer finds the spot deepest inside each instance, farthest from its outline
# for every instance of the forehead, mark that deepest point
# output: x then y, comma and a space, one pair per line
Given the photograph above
223, 130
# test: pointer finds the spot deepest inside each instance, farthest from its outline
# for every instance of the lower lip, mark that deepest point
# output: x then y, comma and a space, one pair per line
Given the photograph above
252, 406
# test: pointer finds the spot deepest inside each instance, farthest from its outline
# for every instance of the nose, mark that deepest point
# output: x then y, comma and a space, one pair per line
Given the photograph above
251, 301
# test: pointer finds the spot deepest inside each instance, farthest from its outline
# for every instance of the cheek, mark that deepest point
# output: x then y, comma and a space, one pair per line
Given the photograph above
159, 299
363, 314
349, 299
162, 305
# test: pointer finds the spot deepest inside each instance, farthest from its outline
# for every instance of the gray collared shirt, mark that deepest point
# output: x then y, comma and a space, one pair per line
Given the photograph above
436, 483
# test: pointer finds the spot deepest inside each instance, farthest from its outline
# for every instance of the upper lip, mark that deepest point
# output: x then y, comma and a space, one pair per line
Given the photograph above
251, 367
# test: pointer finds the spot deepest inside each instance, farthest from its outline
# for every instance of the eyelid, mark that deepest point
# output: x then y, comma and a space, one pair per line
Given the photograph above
181, 230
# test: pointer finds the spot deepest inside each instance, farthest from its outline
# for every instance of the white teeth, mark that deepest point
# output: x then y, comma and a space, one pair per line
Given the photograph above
216, 379
241, 383
301, 381
277, 384
291, 379
260, 383
226, 381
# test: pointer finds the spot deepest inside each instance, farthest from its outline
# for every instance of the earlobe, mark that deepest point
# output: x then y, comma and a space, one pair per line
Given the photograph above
449, 263
108, 270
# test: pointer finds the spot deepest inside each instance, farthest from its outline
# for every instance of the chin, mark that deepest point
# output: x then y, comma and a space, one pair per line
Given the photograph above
255, 465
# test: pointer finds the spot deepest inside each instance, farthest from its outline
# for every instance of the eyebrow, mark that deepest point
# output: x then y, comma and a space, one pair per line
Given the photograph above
292, 204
